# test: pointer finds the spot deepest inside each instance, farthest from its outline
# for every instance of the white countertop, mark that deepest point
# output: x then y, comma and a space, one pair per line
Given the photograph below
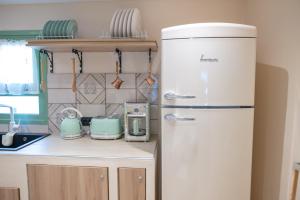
53, 145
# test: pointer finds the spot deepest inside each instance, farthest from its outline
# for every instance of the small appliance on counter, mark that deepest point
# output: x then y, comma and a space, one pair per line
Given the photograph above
70, 127
106, 128
136, 122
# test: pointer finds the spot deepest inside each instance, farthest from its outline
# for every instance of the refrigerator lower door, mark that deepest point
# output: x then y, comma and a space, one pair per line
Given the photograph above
206, 154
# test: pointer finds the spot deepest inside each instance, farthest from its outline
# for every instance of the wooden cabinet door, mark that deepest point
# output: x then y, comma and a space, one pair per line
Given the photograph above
49, 182
9, 193
132, 184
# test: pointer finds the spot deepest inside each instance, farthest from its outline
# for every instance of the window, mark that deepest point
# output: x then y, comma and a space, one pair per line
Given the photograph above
20, 77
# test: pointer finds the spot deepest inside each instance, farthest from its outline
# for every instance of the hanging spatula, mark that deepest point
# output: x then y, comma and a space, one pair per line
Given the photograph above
43, 84
74, 88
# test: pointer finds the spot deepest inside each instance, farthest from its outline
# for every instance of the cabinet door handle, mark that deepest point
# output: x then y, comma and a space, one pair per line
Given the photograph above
173, 117
140, 178
172, 96
101, 177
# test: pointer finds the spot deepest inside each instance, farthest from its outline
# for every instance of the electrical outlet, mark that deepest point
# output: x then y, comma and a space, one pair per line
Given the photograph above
86, 121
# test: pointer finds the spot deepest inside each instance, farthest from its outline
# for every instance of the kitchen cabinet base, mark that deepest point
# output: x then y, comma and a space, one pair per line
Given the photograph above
9, 193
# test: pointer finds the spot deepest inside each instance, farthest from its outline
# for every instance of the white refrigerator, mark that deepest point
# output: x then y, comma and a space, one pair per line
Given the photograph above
207, 107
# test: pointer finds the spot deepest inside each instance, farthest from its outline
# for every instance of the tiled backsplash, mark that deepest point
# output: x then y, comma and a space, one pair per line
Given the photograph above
96, 96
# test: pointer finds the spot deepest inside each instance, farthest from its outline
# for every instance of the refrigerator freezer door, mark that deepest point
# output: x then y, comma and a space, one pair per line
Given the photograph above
206, 154
208, 71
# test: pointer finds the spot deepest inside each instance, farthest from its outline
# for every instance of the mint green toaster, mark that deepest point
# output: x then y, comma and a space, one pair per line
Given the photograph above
105, 128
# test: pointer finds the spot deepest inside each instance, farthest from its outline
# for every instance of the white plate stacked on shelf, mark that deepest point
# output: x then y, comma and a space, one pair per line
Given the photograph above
126, 23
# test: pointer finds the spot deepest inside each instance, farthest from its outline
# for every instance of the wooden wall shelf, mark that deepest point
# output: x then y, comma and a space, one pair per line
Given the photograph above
94, 45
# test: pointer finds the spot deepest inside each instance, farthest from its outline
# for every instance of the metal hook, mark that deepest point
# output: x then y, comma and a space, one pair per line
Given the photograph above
119, 52
50, 58
150, 56
79, 55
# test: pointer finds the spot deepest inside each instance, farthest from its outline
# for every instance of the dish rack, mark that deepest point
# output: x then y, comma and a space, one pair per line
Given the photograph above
44, 37
107, 35
59, 29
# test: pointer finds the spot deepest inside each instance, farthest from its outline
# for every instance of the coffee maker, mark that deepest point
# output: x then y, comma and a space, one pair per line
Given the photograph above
136, 121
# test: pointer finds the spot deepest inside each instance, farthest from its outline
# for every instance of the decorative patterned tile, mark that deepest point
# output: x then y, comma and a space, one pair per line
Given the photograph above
120, 96
52, 128
112, 109
59, 80
55, 117
96, 96
61, 96
91, 89
55, 109
147, 95
92, 110
142, 83
87, 81
129, 80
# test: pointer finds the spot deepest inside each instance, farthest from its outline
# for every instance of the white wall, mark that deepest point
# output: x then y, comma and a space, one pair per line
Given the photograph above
278, 47
95, 17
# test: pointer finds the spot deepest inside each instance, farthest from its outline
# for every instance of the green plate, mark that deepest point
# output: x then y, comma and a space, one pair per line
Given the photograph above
61, 28
55, 29
72, 28
64, 28
45, 28
50, 29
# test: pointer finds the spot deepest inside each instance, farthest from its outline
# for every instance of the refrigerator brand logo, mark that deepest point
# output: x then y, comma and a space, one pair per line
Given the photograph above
204, 59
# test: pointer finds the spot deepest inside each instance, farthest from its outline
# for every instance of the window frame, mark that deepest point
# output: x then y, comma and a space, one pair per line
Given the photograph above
42, 117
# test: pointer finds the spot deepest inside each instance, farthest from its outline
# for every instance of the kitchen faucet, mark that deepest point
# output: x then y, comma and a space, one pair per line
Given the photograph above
13, 127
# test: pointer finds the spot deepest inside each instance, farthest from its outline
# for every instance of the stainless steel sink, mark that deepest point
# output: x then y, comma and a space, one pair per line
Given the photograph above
21, 140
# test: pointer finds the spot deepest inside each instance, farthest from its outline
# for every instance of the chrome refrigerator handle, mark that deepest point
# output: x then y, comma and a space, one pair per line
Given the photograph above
173, 117
172, 96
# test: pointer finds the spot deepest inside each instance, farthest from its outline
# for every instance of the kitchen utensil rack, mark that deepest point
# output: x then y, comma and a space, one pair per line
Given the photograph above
49, 55
78, 46
79, 55
119, 52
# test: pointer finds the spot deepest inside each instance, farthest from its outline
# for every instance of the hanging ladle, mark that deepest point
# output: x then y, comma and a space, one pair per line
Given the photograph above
150, 80
118, 81
74, 88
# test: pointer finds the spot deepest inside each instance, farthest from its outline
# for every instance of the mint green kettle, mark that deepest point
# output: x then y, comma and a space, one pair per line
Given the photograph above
70, 127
